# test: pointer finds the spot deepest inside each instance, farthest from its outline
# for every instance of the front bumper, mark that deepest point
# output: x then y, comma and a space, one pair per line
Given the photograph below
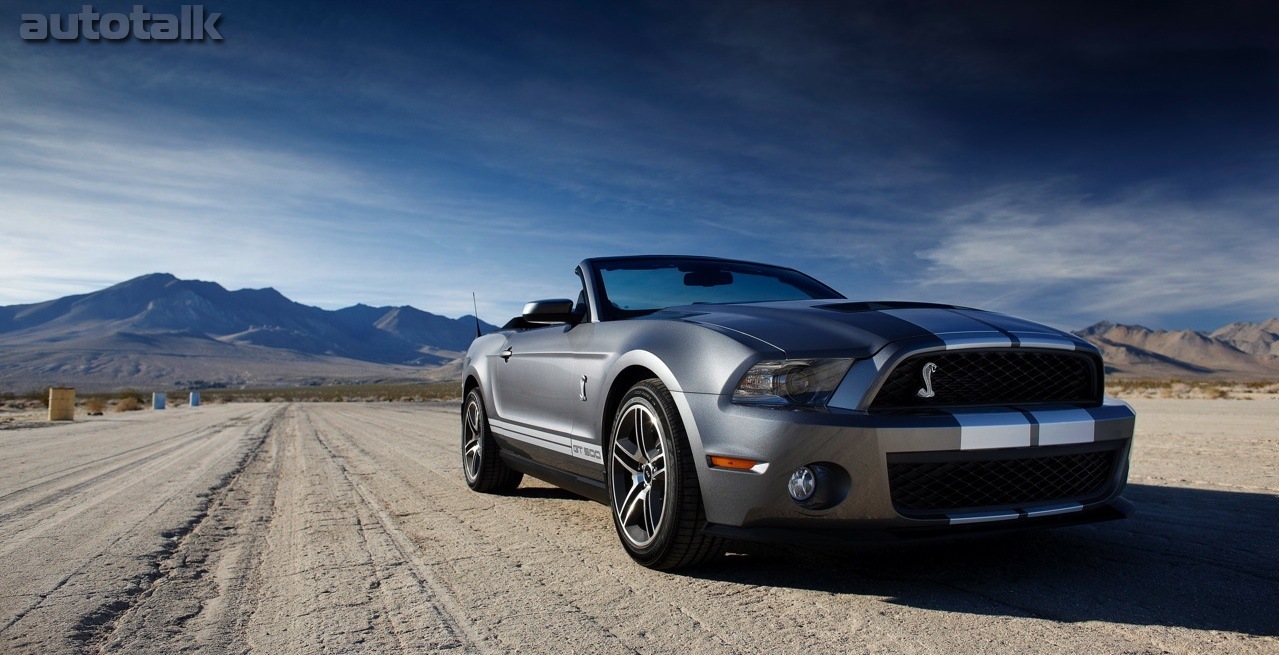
815, 533
864, 443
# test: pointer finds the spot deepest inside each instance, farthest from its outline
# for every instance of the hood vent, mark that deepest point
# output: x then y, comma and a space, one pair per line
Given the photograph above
857, 307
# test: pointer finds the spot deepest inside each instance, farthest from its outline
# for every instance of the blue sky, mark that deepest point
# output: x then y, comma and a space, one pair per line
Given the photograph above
1068, 162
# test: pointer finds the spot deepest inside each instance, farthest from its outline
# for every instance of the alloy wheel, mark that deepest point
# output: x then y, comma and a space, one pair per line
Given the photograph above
472, 440
639, 480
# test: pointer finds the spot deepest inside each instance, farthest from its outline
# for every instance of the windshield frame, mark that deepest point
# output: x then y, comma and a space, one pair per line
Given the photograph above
606, 312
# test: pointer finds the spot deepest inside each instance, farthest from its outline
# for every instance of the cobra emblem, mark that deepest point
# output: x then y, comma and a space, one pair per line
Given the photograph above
927, 391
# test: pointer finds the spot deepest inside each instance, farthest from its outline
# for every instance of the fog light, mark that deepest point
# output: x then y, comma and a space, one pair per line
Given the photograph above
802, 484
819, 486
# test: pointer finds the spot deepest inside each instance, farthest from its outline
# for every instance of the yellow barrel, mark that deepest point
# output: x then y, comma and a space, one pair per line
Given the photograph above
61, 404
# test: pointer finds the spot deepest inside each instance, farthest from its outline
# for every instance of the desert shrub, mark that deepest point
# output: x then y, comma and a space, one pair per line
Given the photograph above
129, 404
374, 392
131, 393
95, 405
1216, 393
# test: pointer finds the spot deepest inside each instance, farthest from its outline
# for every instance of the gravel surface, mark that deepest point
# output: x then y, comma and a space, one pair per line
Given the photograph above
346, 528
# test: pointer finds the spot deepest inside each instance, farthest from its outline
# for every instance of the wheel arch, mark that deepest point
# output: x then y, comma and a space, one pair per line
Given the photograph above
625, 379
640, 365
470, 383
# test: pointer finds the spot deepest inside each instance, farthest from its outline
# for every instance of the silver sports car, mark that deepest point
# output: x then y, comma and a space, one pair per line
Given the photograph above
705, 399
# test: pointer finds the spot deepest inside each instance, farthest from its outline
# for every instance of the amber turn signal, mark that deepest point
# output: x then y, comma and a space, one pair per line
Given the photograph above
733, 463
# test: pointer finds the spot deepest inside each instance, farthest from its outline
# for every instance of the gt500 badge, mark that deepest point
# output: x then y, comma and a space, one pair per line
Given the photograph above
586, 451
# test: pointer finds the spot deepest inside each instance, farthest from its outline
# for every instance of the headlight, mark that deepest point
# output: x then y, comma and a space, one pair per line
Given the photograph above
791, 382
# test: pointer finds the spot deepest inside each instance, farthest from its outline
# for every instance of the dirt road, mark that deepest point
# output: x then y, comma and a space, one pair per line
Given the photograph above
346, 528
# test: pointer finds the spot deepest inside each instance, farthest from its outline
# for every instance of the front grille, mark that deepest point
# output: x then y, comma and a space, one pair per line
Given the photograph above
935, 483
992, 377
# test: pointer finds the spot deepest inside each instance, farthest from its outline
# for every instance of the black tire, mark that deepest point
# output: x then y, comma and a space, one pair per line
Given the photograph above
482, 468
649, 468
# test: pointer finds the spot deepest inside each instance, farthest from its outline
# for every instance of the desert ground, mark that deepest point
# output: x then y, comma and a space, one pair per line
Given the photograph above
346, 528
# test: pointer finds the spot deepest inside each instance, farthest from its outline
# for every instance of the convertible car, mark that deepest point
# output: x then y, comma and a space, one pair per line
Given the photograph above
708, 399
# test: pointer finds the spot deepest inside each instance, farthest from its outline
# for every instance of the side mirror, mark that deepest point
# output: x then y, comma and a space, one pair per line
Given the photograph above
549, 312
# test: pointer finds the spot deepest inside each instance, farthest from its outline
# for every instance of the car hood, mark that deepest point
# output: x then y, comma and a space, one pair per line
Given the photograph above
817, 328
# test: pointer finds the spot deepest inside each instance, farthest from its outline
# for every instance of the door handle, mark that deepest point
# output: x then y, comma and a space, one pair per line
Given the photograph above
506, 354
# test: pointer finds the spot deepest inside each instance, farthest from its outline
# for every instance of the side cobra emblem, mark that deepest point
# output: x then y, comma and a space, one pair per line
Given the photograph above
927, 391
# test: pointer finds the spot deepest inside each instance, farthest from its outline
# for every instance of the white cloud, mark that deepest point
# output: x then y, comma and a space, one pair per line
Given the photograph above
1140, 257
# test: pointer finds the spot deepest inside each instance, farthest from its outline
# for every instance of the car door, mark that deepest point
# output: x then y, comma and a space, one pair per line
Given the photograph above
534, 393
592, 355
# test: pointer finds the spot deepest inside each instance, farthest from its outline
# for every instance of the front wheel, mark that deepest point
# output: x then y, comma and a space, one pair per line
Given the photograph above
652, 482
483, 469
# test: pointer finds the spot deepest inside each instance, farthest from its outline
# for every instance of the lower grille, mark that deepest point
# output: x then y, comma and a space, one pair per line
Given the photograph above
925, 484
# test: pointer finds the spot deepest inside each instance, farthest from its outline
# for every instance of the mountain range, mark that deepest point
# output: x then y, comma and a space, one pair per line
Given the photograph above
160, 330
1238, 351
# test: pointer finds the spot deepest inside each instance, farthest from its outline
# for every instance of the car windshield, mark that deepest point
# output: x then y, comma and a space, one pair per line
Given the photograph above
634, 287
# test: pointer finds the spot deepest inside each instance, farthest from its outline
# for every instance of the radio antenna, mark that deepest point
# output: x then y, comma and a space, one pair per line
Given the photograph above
476, 315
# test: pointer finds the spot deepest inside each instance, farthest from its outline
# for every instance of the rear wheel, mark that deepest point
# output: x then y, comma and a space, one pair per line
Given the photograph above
483, 469
652, 482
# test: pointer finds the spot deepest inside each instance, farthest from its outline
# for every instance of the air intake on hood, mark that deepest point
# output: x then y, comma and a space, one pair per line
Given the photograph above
855, 307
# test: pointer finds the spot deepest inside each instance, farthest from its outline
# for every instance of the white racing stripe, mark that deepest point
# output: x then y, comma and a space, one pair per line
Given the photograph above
974, 340
1049, 510
983, 517
981, 430
1043, 341
549, 440
959, 518
1065, 426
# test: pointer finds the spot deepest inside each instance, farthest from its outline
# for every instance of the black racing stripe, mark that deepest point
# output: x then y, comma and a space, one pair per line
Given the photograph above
892, 328
1034, 425
1011, 337
955, 420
